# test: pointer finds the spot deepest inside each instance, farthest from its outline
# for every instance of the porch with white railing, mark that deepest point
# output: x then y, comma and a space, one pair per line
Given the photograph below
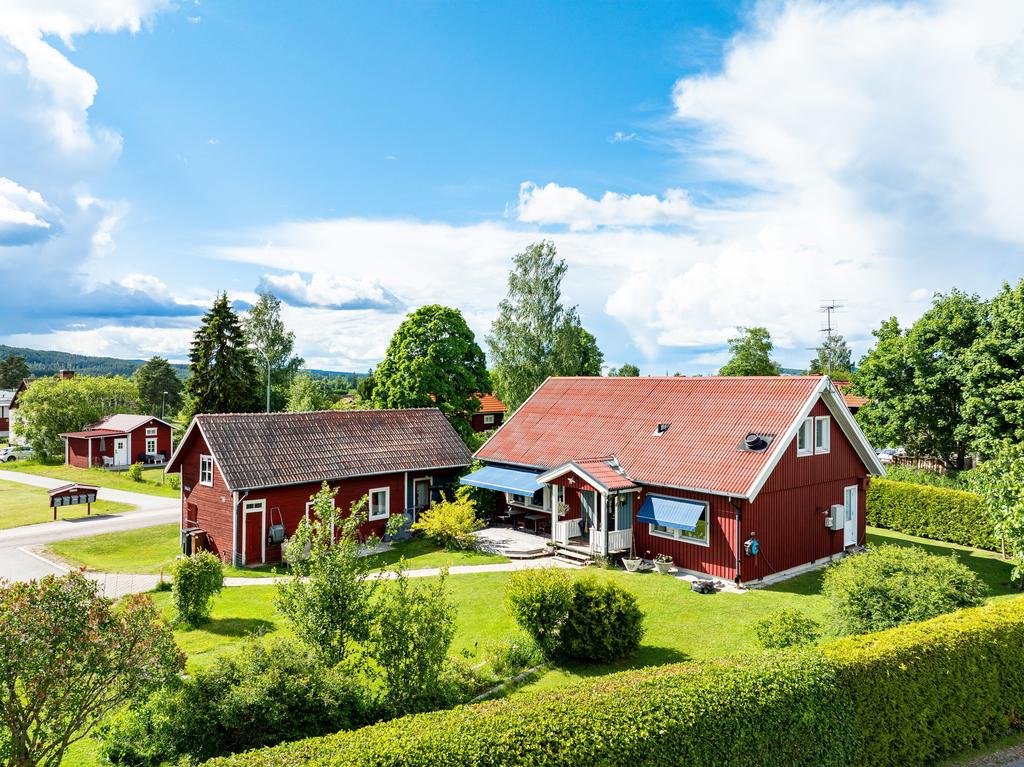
566, 530
618, 540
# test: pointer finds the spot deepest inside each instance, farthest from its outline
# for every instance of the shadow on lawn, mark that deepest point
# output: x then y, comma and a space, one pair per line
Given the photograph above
647, 655
239, 627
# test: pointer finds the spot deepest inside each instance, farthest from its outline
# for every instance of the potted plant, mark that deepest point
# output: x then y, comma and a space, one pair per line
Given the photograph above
664, 563
563, 508
632, 562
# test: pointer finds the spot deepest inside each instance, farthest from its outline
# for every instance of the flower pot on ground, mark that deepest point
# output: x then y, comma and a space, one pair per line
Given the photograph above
631, 564
664, 563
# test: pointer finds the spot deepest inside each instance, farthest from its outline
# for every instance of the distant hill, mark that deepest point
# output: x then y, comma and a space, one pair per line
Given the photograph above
44, 363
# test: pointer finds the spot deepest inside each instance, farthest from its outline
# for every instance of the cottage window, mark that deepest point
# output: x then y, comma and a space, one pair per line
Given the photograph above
150, 431
697, 536
206, 470
804, 437
379, 506
535, 501
488, 419
822, 429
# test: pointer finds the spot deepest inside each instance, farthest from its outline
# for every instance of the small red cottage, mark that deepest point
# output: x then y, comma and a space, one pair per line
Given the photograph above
489, 416
118, 441
747, 479
242, 473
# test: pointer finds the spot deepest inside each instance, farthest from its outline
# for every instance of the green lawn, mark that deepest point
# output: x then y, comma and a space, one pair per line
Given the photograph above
152, 479
153, 550
27, 505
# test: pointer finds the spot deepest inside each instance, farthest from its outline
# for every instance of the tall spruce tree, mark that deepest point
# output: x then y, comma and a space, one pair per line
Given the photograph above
159, 387
13, 369
223, 376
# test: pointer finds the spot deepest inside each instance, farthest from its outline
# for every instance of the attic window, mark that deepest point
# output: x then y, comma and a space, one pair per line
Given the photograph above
660, 429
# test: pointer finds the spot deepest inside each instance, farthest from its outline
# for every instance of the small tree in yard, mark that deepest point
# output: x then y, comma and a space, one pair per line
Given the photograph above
412, 630
891, 585
68, 658
451, 524
1000, 481
786, 628
327, 600
196, 579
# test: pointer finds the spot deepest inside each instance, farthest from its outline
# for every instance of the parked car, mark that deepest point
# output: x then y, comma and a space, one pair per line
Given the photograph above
15, 453
888, 454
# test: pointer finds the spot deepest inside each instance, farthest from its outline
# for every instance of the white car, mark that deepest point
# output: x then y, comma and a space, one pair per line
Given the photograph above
15, 453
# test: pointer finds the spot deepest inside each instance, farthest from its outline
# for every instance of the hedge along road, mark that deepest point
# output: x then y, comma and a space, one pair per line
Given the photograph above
16, 563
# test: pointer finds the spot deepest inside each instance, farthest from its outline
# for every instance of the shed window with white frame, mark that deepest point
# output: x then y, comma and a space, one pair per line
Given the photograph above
488, 420
804, 437
822, 433
151, 431
206, 470
379, 507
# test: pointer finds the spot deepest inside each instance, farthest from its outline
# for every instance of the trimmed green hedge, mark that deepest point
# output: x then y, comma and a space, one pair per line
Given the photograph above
927, 690
931, 512
905, 696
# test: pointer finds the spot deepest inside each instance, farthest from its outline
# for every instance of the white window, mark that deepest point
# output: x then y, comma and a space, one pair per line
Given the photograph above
379, 508
206, 470
150, 445
488, 420
822, 432
309, 509
150, 431
804, 436
535, 501
699, 536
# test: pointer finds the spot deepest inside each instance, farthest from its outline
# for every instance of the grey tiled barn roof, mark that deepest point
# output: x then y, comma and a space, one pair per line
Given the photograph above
257, 450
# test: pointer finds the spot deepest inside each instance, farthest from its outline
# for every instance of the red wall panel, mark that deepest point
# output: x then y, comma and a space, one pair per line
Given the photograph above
208, 507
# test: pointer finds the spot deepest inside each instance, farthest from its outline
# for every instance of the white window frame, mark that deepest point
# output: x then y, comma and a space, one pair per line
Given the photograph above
205, 467
148, 441
488, 419
387, 503
151, 431
309, 508
805, 432
826, 445
526, 502
672, 534
253, 506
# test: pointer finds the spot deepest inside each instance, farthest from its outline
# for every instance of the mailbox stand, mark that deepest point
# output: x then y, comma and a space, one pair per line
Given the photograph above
73, 495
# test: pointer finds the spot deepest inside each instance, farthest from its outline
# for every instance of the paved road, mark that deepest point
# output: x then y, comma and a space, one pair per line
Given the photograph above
18, 564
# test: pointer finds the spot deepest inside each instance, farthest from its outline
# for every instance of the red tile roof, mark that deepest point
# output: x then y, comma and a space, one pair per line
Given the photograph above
490, 404
92, 433
574, 419
603, 470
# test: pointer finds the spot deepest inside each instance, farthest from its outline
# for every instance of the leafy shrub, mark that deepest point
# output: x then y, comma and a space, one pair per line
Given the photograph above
932, 512
507, 657
780, 710
195, 581
925, 691
173, 480
604, 622
539, 601
786, 628
575, 618
265, 694
450, 524
950, 480
134, 472
891, 585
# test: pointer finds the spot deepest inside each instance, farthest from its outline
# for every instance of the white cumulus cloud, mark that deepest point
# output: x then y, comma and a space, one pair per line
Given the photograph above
331, 291
25, 217
564, 205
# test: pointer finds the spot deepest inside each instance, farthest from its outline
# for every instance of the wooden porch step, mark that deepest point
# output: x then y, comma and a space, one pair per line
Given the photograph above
570, 556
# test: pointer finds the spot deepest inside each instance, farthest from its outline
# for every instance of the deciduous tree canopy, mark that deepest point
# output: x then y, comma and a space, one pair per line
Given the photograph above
268, 336
751, 354
153, 379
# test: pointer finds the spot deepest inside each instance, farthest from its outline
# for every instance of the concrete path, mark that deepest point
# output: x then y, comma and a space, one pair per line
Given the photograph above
18, 562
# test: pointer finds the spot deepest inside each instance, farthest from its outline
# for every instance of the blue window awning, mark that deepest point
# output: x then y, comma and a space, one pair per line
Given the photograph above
518, 481
677, 513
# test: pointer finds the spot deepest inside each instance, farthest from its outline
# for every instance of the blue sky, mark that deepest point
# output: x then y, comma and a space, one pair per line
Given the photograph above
699, 165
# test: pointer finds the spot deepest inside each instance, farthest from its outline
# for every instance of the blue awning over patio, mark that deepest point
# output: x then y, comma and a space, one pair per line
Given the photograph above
677, 513
518, 481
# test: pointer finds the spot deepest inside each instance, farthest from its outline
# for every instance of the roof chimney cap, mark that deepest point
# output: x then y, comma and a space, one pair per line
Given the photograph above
660, 429
64, 375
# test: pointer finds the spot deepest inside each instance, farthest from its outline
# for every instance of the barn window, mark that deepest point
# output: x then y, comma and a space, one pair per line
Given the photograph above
379, 507
804, 436
822, 429
206, 470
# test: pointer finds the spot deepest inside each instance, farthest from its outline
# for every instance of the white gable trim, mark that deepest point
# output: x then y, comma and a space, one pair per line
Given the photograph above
184, 441
575, 469
834, 402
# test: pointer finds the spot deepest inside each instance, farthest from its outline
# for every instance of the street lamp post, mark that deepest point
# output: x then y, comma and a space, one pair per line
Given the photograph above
267, 358
163, 396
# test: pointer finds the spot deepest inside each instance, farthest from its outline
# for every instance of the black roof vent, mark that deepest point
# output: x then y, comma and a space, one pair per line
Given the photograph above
755, 443
661, 429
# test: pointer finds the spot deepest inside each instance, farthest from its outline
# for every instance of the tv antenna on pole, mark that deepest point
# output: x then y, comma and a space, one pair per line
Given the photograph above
829, 307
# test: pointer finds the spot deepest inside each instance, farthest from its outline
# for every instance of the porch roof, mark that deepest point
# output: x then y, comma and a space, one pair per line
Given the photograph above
677, 513
518, 481
91, 433
602, 473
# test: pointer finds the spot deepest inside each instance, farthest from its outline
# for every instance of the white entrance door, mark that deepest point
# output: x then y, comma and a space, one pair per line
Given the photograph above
121, 451
850, 509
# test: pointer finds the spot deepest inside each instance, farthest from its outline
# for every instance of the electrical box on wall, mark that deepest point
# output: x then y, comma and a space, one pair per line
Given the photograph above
836, 517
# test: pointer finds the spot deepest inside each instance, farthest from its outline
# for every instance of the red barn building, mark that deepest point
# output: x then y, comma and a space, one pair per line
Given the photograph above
242, 473
694, 468
491, 413
118, 441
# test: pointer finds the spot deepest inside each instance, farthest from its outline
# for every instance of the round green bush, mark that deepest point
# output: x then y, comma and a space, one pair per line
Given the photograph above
195, 581
538, 600
891, 585
786, 628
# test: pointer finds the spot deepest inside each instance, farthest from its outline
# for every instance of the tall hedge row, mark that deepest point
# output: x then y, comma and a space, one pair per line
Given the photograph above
900, 697
931, 512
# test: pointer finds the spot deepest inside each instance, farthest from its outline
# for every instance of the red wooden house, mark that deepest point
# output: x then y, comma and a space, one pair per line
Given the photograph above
491, 413
694, 468
118, 441
243, 473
